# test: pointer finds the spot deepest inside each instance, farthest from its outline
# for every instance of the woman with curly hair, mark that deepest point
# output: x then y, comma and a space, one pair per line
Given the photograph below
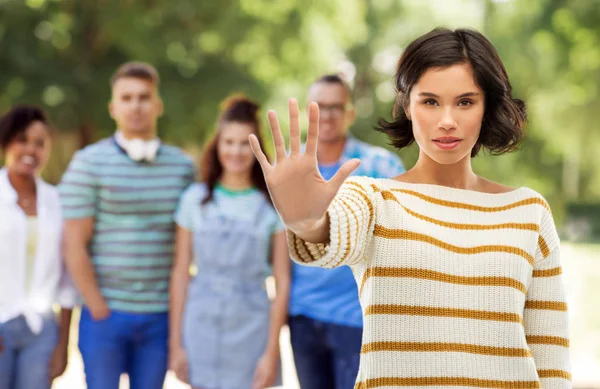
33, 343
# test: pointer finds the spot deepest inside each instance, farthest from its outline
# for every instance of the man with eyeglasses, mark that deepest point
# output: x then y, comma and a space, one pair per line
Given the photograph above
325, 315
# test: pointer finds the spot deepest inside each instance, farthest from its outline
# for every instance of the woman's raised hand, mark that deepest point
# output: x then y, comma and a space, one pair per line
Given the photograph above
299, 192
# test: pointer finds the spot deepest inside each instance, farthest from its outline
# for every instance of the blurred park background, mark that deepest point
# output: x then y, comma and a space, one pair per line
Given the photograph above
61, 54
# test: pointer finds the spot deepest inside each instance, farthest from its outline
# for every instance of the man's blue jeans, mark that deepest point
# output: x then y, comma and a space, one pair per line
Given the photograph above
132, 343
326, 355
25, 361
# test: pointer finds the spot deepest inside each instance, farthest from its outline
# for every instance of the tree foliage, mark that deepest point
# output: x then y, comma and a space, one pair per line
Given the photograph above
60, 54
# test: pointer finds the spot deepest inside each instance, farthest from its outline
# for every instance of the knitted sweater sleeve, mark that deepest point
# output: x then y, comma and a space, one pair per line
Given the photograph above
545, 315
351, 224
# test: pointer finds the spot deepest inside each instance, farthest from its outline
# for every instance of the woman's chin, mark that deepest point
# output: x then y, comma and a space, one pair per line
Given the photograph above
24, 170
237, 169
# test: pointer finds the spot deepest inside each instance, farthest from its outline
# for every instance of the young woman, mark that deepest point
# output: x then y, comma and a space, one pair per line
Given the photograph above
459, 277
33, 348
223, 325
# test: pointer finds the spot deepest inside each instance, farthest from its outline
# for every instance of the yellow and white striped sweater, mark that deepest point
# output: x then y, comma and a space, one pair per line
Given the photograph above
458, 288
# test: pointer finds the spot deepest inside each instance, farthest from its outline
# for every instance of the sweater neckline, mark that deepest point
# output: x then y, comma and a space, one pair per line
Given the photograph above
448, 190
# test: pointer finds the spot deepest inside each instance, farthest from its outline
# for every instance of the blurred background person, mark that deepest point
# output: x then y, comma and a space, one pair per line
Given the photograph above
224, 330
33, 346
325, 315
64, 55
119, 196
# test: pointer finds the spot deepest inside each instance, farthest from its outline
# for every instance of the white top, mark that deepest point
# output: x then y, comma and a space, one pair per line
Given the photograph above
31, 251
458, 288
49, 281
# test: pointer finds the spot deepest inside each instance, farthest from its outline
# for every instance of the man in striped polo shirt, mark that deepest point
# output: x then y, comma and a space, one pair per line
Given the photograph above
119, 196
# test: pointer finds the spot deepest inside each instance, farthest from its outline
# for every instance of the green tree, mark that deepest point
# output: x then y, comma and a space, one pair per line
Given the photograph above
61, 54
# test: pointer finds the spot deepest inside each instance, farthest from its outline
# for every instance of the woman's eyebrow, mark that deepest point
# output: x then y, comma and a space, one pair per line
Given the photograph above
468, 94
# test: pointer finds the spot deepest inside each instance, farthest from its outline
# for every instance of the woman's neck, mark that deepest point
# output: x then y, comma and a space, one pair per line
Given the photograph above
459, 175
236, 181
22, 184
148, 134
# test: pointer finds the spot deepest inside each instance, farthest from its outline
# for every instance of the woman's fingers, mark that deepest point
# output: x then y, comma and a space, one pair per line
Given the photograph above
313, 129
280, 153
347, 168
295, 143
182, 373
260, 156
294, 127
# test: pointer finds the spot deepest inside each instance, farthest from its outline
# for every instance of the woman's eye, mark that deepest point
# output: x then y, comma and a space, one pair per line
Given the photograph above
430, 102
465, 103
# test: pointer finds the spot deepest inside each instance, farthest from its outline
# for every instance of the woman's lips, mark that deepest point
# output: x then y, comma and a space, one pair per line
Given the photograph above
447, 143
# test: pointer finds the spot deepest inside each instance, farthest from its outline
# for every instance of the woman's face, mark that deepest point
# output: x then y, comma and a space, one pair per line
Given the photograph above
28, 152
446, 109
235, 154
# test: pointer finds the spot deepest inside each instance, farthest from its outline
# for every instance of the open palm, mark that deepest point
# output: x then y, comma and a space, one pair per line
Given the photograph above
299, 192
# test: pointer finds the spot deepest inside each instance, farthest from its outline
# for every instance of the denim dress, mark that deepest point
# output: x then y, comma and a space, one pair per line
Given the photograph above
227, 311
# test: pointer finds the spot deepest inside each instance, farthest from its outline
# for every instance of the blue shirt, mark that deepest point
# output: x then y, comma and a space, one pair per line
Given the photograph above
331, 295
132, 204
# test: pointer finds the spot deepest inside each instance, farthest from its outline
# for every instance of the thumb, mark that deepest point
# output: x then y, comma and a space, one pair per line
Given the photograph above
347, 168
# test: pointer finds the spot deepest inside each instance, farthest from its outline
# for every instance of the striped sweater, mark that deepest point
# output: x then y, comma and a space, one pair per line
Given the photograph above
458, 288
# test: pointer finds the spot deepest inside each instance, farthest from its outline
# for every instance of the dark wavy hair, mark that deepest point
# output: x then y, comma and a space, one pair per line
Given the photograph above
236, 109
504, 116
17, 120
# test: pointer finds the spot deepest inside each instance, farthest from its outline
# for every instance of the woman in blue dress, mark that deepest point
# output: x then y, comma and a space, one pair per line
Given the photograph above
224, 329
